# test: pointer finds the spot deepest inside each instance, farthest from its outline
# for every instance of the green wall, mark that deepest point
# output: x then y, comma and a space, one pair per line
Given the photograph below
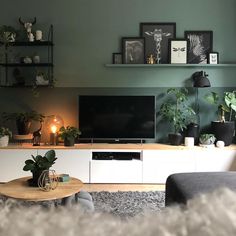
86, 34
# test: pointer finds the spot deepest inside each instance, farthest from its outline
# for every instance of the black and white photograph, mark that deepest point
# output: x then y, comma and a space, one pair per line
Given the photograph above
116, 58
213, 58
200, 45
178, 51
156, 39
133, 50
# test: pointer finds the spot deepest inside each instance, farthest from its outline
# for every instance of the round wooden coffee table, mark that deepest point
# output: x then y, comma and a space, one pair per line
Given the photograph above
20, 190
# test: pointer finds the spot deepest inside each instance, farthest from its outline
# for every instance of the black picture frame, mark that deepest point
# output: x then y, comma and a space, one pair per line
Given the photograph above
200, 45
133, 50
116, 58
156, 39
213, 58
178, 51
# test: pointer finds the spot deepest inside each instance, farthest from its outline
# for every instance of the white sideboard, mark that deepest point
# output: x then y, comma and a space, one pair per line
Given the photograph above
156, 162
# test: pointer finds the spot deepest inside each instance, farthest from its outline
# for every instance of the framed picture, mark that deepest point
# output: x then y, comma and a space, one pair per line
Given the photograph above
116, 58
178, 49
213, 58
200, 45
133, 50
156, 39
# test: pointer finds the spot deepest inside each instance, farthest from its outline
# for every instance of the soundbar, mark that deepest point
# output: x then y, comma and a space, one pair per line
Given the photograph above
115, 155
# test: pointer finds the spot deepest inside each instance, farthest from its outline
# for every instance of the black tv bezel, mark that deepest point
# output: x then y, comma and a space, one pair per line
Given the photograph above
118, 140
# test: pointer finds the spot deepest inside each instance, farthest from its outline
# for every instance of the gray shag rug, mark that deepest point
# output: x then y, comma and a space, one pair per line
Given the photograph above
128, 204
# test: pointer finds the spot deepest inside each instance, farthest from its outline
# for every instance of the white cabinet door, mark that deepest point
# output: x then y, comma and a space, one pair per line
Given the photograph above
116, 171
72, 162
12, 162
215, 159
159, 164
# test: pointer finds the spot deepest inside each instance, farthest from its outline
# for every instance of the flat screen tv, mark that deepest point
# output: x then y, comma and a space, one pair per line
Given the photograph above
117, 118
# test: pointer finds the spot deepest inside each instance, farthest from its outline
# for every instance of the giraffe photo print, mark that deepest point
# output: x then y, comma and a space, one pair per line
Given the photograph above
156, 39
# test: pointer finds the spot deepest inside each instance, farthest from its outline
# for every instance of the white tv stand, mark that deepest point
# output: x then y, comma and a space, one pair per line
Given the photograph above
125, 163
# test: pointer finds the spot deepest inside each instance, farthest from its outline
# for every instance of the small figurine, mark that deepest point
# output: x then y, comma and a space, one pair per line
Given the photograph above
151, 59
37, 136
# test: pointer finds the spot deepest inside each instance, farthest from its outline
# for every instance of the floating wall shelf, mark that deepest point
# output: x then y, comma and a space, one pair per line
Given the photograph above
170, 65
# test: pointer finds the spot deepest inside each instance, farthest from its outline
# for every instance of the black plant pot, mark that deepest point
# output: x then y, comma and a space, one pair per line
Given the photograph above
193, 131
35, 176
175, 139
69, 142
23, 127
223, 131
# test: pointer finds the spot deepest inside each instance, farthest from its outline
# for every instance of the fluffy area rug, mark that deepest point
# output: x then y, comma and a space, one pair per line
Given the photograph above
212, 214
128, 204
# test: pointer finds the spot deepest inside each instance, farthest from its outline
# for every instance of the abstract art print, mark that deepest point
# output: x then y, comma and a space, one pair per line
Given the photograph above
156, 39
200, 45
178, 51
133, 50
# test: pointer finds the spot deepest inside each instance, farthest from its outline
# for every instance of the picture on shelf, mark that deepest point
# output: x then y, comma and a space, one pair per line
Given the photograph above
178, 51
116, 58
156, 39
213, 58
200, 45
133, 50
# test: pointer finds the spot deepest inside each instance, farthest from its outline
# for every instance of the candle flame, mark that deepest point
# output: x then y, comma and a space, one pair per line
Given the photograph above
53, 129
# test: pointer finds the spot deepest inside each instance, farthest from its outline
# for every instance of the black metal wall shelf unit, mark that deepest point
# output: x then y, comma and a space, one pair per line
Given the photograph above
22, 70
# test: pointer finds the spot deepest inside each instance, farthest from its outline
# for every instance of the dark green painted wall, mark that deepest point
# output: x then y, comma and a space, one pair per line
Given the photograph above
87, 32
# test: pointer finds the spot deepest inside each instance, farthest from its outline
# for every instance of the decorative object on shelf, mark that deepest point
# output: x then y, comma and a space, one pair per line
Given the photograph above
38, 164
151, 59
156, 39
220, 144
116, 58
178, 49
177, 112
27, 60
38, 35
189, 141
53, 124
133, 50
37, 136
64, 178
41, 79
23, 120
224, 128
28, 27
48, 180
7, 34
36, 59
31, 37
5, 134
200, 45
207, 139
69, 134
213, 58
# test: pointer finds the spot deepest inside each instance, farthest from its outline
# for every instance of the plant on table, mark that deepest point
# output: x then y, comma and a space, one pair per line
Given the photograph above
5, 134
38, 164
177, 111
69, 134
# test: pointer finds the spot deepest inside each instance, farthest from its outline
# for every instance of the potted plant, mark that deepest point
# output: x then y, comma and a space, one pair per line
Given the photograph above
223, 128
23, 120
207, 139
38, 164
177, 112
69, 134
5, 134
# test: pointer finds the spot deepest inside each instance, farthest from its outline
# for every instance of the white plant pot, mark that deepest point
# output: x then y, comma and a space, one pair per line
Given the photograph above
4, 141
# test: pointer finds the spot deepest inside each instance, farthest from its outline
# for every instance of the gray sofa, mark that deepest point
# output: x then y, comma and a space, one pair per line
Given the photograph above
183, 186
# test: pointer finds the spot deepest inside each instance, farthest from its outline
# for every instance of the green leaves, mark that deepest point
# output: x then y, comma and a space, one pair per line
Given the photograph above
69, 132
40, 162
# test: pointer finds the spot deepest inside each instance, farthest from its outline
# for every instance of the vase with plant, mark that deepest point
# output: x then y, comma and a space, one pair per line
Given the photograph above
38, 164
207, 139
23, 120
69, 134
5, 134
224, 127
178, 112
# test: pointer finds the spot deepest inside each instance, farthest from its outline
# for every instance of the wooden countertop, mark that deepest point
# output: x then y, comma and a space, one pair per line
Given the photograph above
146, 146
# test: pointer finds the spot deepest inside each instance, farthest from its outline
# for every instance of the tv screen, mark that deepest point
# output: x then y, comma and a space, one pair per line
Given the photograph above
117, 117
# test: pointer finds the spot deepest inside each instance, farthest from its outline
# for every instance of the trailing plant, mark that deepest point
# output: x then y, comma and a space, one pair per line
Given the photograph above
176, 110
227, 104
69, 132
39, 163
5, 132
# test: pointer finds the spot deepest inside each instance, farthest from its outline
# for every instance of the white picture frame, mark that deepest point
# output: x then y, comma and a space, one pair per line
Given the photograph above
178, 51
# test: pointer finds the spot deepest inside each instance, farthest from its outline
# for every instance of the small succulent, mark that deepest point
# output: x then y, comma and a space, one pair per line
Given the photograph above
5, 132
207, 139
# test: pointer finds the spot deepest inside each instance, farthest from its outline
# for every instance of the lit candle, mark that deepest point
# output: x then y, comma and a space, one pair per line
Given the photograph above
53, 129
53, 135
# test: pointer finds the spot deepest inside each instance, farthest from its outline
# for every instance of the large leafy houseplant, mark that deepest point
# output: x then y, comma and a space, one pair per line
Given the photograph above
223, 129
177, 111
23, 120
38, 164
69, 134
